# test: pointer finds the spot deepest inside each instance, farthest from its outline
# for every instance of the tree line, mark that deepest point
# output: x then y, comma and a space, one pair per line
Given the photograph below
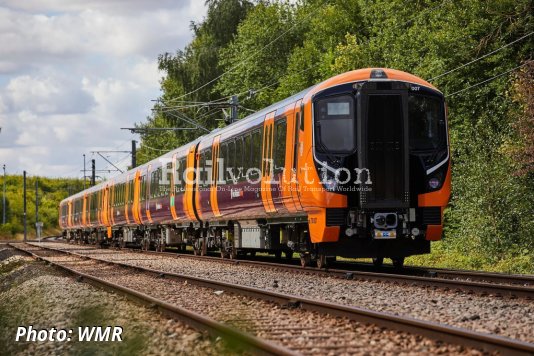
479, 53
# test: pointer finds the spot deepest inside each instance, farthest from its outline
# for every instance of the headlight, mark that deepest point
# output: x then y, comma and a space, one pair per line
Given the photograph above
330, 184
433, 183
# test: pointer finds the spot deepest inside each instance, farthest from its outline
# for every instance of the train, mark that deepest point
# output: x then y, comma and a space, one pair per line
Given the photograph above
357, 166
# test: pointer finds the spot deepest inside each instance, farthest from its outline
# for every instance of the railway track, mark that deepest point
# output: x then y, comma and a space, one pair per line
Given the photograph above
322, 342
475, 281
478, 282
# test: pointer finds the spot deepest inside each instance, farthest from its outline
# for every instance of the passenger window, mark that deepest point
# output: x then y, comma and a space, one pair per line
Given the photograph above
208, 165
246, 153
231, 160
267, 151
182, 171
256, 151
238, 156
224, 157
280, 145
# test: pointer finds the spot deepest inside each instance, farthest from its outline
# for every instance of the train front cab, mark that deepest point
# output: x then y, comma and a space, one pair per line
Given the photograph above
385, 181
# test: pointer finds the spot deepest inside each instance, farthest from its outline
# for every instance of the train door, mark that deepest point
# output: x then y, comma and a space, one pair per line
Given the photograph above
172, 187
297, 151
105, 205
84, 209
189, 195
98, 205
267, 164
112, 202
214, 176
137, 197
127, 198
148, 193
69, 219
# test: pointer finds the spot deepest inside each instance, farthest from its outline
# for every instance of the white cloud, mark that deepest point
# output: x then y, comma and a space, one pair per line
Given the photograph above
72, 73
48, 95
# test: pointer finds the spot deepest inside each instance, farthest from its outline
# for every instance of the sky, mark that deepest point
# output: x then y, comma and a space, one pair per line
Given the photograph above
73, 72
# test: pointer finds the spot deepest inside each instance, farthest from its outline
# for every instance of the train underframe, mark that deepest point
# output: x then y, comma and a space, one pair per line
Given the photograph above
233, 239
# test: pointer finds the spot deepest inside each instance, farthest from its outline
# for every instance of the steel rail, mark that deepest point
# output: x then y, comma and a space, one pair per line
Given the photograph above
402, 323
514, 290
348, 267
517, 285
245, 341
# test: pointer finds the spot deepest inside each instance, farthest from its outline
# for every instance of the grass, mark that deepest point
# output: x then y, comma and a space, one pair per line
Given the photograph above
442, 256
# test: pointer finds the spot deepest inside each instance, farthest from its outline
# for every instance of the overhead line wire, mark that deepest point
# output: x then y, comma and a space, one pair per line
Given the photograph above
254, 53
481, 57
486, 81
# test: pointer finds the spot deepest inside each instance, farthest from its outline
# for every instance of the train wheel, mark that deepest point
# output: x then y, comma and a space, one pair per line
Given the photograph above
321, 261
398, 262
378, 261
305, 259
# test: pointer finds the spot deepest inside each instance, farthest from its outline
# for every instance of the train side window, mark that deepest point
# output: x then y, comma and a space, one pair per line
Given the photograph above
161, 184
152, 186
267, 149
201, 164
231, 161
183, 165
280, 145
238, 156
157, 182
178, 179
301, 117
168, 180
207, 167
143, 188
256, 152
247, 152
223, 155
296, 139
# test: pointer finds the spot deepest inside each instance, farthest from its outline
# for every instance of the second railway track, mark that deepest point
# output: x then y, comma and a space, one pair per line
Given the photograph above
297, 326
499, 284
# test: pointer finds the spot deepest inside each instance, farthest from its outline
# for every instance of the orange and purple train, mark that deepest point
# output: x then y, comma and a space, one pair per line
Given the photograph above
355, 166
